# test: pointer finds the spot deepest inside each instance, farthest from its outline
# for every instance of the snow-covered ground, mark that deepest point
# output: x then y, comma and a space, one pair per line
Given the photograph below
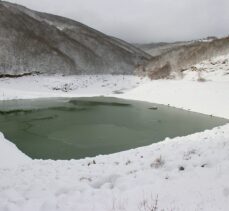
184, 173
68, 86
216, 69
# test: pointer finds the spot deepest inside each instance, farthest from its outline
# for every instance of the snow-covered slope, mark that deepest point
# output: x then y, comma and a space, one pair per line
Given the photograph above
188, 173
185, 173
179, 58
215, 69
37, 42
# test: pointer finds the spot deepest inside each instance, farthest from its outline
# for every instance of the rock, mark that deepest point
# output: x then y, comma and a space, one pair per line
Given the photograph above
154, 108
181, 168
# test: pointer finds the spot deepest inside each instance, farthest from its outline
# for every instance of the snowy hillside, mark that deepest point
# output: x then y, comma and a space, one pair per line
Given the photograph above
180, 57
215, 69
34, 42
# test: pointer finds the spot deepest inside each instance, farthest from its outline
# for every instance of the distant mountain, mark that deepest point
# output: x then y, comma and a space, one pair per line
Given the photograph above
155, 49
31, 41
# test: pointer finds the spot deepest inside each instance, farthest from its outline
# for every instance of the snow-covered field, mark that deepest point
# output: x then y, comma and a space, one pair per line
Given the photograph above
184, 173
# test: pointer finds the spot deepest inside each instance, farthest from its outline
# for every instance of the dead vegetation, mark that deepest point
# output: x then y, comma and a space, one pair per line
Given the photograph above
157, 163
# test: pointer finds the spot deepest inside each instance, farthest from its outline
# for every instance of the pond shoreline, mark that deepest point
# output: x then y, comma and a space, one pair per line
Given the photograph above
87, 127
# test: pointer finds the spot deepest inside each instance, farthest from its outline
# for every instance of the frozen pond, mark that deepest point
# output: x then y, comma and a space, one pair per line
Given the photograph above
83, 127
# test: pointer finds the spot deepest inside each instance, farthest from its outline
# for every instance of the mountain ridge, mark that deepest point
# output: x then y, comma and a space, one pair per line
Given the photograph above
40, 42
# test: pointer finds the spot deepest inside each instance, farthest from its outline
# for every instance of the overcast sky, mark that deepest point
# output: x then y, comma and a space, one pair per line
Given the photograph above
144, 21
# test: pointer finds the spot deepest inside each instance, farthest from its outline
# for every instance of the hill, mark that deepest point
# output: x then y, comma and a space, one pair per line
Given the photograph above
34, 42
174, 60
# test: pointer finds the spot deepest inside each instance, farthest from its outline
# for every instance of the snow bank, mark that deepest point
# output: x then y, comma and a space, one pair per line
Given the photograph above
208, 97
10, 155
68, 86
186, 173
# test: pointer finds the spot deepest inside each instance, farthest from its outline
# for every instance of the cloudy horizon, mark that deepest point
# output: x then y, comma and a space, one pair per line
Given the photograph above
144, 21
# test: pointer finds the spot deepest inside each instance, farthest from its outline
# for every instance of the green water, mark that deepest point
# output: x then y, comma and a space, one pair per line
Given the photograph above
84, 127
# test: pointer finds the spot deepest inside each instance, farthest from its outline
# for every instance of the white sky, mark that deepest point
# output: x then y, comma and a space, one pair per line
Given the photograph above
144, 21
